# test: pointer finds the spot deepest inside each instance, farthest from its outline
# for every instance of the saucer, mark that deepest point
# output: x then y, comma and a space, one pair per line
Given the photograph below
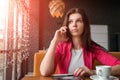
95, 77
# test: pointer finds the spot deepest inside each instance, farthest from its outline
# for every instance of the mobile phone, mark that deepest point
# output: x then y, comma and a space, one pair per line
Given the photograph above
68, 33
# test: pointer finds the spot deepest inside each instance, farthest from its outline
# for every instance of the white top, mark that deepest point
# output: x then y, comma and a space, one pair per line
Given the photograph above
76, 60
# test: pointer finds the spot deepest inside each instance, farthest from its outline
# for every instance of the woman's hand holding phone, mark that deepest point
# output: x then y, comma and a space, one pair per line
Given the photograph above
61, 34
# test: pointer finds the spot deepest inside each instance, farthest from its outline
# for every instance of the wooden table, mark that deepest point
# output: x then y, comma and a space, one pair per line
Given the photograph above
43, 78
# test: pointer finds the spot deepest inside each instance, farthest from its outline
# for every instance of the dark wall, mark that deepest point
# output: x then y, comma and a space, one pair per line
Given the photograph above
98, 11
34, 32
48, 25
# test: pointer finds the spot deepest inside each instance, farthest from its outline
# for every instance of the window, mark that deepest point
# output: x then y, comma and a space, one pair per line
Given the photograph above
99, 34
3, 22
14, 36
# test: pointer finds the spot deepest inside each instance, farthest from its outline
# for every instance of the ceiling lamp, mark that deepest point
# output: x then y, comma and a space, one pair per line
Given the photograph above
56, 8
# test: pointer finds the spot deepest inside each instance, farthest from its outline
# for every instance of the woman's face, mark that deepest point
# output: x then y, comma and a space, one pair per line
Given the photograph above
75, 25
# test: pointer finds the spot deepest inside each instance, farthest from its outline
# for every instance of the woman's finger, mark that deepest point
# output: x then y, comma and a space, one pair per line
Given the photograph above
63, 29
82, 73
77, 71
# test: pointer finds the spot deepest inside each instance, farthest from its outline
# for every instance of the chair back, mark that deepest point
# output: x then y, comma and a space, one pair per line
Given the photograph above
38, 57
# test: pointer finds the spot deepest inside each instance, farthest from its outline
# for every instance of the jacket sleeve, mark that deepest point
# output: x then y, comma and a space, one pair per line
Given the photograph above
105, 57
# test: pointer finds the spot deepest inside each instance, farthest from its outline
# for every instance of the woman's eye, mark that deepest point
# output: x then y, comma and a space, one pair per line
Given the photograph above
69, 22
79, 20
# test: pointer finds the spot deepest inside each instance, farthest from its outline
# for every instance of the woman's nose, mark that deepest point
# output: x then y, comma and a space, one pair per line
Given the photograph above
74, 24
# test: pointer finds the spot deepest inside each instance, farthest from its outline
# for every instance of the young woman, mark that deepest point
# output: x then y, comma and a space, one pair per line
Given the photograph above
73, 51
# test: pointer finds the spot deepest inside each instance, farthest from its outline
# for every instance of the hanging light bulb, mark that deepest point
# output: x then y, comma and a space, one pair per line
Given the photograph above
56, 8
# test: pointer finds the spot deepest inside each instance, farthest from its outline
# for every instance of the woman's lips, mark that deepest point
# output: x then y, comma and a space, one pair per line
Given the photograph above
74, 30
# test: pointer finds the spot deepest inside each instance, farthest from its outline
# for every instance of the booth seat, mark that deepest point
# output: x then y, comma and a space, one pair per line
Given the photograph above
38, 56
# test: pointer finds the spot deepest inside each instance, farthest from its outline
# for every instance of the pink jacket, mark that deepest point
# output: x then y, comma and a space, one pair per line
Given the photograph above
63, 57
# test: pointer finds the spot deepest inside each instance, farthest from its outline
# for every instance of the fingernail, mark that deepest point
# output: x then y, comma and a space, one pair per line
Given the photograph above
74, 74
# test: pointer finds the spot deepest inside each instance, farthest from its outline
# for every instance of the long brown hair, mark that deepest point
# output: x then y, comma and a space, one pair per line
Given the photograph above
86, 35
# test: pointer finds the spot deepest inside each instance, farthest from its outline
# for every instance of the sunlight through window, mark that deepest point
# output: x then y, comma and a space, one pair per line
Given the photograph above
14, 36
3, 19
3, 24
3, 13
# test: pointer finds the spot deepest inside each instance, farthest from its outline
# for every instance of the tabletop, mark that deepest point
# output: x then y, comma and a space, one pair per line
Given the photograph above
52, 78
48, 78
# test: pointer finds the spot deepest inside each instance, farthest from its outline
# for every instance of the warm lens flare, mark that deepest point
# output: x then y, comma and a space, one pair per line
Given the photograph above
3, 12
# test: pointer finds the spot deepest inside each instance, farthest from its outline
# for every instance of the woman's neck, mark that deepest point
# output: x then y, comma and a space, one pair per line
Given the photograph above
76, 43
